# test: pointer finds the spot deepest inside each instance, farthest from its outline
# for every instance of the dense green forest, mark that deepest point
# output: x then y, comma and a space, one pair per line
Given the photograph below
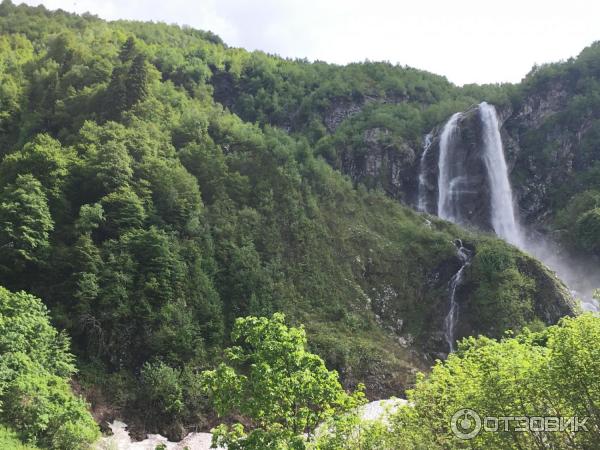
156, 185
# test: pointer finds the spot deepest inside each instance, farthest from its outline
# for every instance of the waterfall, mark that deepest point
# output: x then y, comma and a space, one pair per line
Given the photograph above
454, 178
503, 215
472, 166
448, 174
452, 317
422, 204
458, 191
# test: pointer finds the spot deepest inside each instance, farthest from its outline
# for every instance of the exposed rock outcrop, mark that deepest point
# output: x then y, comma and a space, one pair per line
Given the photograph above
339, 110
382, 161
533, 179
552, 299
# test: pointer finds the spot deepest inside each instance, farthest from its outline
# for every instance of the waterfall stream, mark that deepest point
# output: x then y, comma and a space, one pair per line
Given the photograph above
503, 214
454, 188
455, 180
452, 317
450, 173
422, 204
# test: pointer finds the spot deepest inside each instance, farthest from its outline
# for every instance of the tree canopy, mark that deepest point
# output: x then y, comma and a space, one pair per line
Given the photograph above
35, 365
274, 382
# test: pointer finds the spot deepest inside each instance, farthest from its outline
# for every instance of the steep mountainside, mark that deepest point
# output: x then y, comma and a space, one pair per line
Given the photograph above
156, 184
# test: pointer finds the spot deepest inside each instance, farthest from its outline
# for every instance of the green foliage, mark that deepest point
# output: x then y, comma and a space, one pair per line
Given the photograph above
10, 440
588, 230
503, 295
121, 210
34, 368
43, 158
25, 329
162, 389
111, 165
351, 431
90, 218
45, 411
514, 377
274, 382
578, 221
136, 84
25, 221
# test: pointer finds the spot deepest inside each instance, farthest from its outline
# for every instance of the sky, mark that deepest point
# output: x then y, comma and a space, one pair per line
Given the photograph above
468, 41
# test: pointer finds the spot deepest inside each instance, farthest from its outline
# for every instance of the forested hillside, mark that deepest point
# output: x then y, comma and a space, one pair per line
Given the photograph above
156, 184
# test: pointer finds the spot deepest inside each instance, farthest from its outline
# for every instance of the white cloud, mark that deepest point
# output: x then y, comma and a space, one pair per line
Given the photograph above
466, 40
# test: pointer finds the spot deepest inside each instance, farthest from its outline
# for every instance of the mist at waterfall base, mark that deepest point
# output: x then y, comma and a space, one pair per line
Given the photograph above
580, 275
455, 185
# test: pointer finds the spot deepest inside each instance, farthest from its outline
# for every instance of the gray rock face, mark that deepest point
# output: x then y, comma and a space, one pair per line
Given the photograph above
339, 111
382, 162
539, 107
534, 177
531, 182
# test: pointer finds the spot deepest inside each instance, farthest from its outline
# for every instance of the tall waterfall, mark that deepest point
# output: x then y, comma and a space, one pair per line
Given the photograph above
503, 215
422, 199
452, 316
454, 178
458, 175
449, 174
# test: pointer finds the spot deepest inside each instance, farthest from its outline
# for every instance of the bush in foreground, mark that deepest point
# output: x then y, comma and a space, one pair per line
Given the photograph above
553, 373
35, 365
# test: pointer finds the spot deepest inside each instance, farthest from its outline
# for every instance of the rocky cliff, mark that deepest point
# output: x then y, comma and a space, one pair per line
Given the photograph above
544, 149
383, 161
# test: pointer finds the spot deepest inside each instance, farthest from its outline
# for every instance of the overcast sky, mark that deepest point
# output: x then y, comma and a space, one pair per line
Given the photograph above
468, 41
